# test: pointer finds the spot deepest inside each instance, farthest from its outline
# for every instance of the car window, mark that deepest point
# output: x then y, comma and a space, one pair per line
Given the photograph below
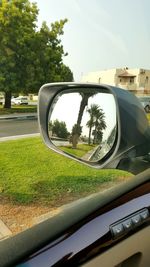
41, 42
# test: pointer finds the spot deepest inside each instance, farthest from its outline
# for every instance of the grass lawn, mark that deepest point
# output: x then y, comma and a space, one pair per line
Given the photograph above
80, 151
18, 109
30, 172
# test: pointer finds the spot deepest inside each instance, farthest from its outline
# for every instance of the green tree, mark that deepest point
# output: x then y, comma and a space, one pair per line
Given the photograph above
59, 129
29, 57
84, 102
97, 120
93, 112
17, 28
66, 74
48, 65
100, 125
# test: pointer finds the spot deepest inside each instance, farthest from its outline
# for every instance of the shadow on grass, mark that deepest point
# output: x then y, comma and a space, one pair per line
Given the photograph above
61, 189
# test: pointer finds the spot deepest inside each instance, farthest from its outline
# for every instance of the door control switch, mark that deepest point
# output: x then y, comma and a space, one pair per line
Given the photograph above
128, 224
123, 226
118, 230
144, 214
136, 219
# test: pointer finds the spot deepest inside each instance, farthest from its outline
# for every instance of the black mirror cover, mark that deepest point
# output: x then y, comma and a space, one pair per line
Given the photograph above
133, 131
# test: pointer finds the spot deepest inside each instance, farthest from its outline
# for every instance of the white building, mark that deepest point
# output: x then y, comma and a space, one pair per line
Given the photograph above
134, 80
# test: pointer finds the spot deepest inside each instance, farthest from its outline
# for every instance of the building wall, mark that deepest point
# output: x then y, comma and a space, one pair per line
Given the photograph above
141, 84
127, 85
144, 79
106, 77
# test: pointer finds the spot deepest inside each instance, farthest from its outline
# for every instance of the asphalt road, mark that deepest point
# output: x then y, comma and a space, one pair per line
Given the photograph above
18, 127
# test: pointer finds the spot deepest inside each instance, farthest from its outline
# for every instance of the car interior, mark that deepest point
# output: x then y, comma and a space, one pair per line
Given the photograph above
85, 233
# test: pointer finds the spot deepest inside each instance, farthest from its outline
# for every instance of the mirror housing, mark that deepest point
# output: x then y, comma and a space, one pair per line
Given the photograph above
132, 140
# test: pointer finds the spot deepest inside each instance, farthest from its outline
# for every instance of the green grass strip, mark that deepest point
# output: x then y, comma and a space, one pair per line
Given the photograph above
31, 172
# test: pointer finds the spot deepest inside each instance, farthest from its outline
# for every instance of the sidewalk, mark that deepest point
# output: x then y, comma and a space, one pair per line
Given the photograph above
4, 231
18, 116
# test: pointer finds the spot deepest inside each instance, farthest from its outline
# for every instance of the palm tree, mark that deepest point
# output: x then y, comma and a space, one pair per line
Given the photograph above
83, 104
100, 125
93, 112
97, 119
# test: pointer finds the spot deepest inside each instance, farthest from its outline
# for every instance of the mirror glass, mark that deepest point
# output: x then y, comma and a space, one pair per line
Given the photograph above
83, 123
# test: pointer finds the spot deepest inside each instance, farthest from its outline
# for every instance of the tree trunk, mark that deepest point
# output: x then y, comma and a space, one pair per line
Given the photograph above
83, 104
76, 135
95, 135
7, 100
75, 140
89, 141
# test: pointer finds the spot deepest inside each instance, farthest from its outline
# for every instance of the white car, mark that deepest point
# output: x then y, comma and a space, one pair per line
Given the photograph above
20, 100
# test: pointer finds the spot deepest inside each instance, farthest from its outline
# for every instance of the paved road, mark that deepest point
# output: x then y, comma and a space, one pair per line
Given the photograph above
18, 127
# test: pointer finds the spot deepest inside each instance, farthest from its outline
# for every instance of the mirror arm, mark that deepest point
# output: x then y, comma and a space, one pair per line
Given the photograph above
135, 165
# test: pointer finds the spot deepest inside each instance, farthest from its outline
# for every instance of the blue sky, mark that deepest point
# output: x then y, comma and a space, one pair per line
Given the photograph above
101, 34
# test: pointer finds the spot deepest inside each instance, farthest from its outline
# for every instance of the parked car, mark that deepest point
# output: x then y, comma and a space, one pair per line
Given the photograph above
145, 101
105, 228
21, 100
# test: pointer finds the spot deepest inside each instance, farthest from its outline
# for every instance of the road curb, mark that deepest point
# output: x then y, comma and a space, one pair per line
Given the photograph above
17, 137
25, 117
4, 231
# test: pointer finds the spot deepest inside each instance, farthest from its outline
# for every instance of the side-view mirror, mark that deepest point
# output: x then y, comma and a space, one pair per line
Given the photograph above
101, 126
83, 123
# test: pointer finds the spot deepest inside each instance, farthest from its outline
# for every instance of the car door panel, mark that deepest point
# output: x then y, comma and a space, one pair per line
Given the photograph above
82, 231
133, 251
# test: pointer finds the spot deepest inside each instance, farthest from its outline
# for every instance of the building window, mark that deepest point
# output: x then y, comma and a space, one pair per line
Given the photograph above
146, 80
99, 80
132, 80
123, 80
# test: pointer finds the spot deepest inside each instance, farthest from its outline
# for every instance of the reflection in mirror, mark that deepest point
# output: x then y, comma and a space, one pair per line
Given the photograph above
83, 123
